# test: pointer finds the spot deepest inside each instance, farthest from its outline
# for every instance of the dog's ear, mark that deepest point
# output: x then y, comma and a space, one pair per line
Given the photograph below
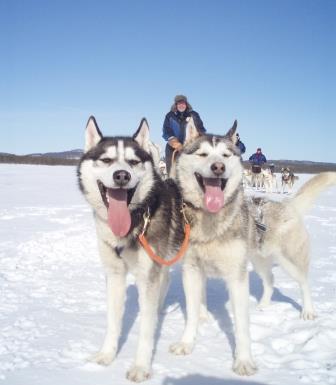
231, 134
92, 134
191, 131
142, 135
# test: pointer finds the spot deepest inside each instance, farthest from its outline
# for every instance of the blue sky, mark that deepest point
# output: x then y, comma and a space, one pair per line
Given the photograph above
269, 64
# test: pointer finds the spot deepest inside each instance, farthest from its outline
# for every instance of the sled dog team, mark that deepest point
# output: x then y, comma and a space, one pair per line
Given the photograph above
266, 180
119, 178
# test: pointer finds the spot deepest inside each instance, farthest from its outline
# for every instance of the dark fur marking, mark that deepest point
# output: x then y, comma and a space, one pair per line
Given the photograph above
211, 139
118, 250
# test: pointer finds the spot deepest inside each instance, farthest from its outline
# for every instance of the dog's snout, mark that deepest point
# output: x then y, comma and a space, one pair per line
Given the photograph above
218, 168
121, 177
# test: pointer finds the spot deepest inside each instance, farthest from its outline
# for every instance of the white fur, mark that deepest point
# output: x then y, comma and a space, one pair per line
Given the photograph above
247, 178
269, 181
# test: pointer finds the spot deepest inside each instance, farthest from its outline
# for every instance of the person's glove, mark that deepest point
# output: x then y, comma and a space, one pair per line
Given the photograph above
173, 142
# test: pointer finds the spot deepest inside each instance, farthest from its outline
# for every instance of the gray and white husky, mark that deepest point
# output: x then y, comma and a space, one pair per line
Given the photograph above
118, 179
228, 228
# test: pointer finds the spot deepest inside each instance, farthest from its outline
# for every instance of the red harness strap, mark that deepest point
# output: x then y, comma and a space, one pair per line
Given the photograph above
160, 260
150, 251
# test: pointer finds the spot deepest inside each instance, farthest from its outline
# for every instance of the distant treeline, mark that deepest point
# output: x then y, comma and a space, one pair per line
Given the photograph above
299, 167
42, 160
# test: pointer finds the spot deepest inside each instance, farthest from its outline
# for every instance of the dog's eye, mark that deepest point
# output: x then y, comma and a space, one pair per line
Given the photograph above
106, 160
227, 155
133, 162
202, 154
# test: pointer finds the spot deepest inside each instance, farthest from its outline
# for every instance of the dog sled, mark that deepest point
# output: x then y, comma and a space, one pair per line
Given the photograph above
256, 169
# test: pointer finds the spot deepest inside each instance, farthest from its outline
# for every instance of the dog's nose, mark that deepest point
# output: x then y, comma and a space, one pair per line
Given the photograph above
121, 177
218, 168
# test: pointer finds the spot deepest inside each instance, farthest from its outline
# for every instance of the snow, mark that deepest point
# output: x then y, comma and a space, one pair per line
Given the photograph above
52, 308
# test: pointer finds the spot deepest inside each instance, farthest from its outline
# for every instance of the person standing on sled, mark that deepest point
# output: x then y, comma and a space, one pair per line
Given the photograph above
175, 124
257, 160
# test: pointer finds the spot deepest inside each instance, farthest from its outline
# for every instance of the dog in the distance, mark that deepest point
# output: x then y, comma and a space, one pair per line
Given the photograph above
227, 228
118, 178
247, 178
269, 180
257, 177
287, 179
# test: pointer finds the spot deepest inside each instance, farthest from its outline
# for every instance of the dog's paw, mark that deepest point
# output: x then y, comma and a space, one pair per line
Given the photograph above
102, 358
205, 315
263, 304
244, 367
308, 315
138, 374
181, 348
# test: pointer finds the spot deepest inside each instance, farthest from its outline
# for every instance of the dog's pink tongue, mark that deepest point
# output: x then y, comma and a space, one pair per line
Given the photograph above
214, 196
119, 217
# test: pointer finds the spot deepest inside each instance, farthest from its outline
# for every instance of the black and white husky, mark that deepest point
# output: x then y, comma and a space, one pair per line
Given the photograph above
118, 178
228, 228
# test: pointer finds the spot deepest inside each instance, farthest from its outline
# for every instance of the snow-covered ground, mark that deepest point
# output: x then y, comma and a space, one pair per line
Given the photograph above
52, 305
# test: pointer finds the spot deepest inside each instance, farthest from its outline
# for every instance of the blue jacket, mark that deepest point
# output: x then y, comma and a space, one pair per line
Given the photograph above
175, 124
258, 159
241, 146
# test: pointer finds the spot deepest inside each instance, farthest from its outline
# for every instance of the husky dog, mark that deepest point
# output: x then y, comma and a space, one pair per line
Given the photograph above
227, 227
247, 178
284, 239
209, 172
257, 177
287, 179
269, 180
118, 179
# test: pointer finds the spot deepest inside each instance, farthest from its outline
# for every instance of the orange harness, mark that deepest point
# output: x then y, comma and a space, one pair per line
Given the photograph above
150, 251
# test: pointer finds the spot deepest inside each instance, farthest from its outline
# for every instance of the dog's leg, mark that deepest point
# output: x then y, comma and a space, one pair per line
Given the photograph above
116, 288
308, 312
263, 267
193, 289
300, 275
164, 286
275, 185
204, 314
148, 283
253, 181
239, 297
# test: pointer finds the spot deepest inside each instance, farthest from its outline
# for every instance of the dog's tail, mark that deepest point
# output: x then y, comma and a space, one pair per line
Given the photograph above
306, 195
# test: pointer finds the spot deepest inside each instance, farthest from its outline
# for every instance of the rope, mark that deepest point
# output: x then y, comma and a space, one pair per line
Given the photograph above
160, 260
150, 251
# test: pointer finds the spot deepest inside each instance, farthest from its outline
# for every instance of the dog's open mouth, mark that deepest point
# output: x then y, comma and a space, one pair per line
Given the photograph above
213, 189
116, 202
